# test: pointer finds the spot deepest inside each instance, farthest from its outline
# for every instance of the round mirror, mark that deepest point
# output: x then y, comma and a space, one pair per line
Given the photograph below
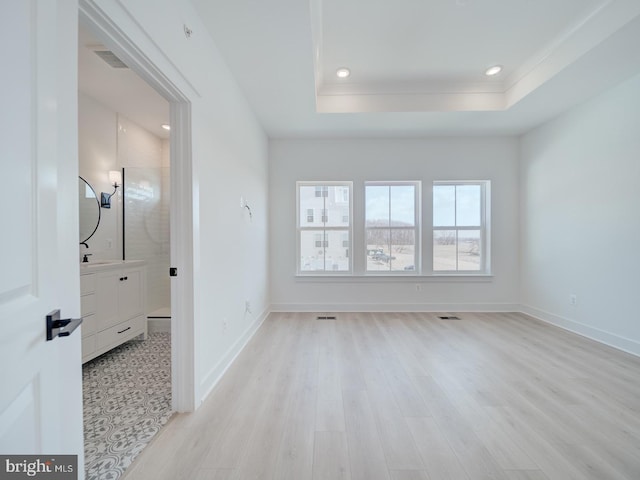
89, 207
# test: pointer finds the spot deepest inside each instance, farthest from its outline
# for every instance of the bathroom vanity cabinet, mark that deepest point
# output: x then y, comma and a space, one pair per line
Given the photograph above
113, 297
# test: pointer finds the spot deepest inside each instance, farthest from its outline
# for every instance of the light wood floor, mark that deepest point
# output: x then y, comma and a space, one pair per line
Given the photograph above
380, 396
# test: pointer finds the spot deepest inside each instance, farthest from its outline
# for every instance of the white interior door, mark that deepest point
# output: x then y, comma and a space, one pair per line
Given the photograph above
41, 381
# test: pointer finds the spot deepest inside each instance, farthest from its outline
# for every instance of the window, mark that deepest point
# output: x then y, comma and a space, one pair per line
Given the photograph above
392, 227
460, 233
322, 245
322, 191
342, 195
322, 241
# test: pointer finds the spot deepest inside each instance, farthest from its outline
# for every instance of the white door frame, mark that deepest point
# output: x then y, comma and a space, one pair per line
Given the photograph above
181, 200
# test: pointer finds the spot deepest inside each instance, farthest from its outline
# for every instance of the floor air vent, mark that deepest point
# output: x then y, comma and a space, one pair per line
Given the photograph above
448, 318
322, 317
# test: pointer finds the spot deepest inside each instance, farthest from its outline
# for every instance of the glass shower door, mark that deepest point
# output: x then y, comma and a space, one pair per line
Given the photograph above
146, 230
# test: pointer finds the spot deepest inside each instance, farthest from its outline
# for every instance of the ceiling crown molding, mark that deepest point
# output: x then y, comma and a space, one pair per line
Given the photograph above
593, 36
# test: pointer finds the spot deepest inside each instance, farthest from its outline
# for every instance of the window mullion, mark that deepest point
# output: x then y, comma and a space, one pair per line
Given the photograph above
455, 220
324, 219
389, 225
457, 251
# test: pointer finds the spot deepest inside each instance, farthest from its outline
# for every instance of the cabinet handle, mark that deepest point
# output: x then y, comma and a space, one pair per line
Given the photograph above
121, 331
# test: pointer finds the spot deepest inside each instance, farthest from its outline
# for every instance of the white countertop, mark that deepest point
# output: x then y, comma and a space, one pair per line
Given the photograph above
99, 265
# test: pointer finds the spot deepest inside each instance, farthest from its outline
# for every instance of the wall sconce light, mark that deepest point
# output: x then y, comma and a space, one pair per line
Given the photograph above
115, 179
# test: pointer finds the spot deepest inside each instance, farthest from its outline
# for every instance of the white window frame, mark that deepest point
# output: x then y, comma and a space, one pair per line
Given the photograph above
321, 227
484, 227
417, 228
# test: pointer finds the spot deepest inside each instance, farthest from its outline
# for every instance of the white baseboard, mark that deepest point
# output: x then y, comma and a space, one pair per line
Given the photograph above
397, 307
607, 338
215, 374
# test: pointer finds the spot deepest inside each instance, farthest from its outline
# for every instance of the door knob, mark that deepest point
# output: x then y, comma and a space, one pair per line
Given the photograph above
57, 327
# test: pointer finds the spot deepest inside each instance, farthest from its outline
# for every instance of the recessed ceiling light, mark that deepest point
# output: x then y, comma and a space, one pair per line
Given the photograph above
491, 71
166, 126
343, 72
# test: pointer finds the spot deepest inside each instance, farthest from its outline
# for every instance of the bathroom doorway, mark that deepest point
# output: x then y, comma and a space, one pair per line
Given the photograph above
162, 76
124, 127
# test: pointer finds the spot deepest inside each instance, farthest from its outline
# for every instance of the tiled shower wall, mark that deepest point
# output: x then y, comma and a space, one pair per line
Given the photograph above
146, 207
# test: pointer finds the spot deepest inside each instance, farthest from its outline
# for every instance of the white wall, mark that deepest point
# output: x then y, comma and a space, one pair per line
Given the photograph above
580, 194
97, 154
492, 159
229, 160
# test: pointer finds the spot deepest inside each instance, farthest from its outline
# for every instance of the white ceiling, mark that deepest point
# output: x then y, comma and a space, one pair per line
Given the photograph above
120, 89
417, 65
443, 42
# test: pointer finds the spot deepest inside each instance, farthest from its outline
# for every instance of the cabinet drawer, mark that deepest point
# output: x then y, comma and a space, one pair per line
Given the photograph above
88, 345
121, 332
88, 304
89, 325
87, 283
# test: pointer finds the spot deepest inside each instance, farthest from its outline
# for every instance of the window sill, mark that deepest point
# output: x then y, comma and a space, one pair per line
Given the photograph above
400, 278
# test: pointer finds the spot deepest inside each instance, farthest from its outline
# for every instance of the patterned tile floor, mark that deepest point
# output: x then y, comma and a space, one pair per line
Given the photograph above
127, 400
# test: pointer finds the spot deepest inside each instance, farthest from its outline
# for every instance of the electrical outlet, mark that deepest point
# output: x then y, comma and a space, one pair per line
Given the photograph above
573, 299
247, 306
